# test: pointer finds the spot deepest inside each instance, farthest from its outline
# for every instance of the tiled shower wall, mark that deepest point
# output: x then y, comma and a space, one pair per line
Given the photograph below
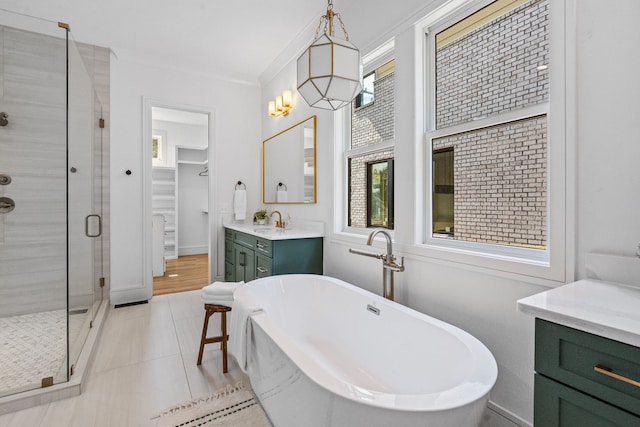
32, 90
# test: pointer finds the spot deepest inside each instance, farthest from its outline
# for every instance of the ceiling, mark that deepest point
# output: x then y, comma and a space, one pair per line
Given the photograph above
237, 39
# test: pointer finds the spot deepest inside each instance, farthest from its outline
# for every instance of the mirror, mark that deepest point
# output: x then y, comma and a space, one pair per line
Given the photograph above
289, 165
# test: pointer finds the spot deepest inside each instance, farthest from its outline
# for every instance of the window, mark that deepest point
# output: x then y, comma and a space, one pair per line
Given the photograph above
369, 154
367, 96
380, 194
159, 148
156, 150
442, 193
488, 136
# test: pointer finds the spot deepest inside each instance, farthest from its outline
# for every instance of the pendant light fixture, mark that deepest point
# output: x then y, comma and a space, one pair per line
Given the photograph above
330, 69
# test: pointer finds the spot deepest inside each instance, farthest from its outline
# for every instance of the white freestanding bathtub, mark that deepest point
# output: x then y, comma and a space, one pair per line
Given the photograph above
321, 352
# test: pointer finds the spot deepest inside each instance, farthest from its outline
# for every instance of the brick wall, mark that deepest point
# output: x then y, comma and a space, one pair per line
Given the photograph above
370, 124
500, 183
494, 68
499, 172
374, 123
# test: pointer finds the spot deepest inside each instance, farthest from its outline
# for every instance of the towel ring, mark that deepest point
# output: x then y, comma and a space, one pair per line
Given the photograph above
241, 183
280, 185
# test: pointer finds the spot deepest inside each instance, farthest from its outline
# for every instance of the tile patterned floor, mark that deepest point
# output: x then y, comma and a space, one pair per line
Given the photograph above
33, 347
145, 362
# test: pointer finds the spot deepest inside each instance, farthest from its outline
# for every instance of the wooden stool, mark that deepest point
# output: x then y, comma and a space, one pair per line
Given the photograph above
210, 310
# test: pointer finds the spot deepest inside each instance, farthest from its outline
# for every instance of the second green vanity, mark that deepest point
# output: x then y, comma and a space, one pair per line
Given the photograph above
587, 354
255, 252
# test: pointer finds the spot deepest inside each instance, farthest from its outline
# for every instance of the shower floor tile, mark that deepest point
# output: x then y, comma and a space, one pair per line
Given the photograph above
33, 347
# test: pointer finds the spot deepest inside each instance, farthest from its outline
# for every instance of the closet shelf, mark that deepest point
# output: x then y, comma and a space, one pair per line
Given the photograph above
164, 202
192, 162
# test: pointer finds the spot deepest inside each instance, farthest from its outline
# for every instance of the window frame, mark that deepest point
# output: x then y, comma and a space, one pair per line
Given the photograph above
387, 145
553, 263
390, 190
342, 130
434, 186
359, 99
161, 136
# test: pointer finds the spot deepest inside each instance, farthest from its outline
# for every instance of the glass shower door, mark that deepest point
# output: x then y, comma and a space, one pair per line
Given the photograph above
84, 180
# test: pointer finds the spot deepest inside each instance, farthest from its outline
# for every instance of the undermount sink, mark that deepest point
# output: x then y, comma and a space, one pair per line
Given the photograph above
268, 230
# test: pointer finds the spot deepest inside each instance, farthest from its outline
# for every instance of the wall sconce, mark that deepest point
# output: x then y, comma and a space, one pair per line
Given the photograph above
281, 105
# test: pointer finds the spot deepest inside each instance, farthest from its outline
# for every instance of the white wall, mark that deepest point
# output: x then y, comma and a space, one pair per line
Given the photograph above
193, 214
608, 152
234, 149
608, 202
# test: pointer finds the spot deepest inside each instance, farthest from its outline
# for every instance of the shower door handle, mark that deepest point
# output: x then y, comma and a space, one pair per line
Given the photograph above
86, 225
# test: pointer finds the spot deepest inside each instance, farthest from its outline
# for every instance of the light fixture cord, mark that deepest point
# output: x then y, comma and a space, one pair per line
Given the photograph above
328, 22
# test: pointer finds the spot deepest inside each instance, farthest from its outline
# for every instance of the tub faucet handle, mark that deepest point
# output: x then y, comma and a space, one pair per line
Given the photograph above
394, 266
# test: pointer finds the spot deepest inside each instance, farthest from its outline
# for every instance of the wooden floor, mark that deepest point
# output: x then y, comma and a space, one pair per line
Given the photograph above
186, 273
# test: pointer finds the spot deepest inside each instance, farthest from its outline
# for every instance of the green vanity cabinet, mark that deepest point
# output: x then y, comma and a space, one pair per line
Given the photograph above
249, 257
245, 263
229, 257
583, 379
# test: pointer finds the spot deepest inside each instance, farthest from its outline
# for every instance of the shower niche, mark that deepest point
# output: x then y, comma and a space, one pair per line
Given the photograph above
54, 267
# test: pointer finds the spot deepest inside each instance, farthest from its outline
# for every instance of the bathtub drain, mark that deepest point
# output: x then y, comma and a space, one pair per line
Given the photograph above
373, 309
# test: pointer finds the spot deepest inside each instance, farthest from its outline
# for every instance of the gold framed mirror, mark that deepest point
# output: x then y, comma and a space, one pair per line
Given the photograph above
289, 164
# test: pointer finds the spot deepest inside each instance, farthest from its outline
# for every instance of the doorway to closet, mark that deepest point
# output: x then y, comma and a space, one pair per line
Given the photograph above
180, 200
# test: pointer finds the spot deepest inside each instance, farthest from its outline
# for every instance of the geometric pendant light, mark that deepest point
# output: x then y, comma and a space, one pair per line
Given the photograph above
330, 69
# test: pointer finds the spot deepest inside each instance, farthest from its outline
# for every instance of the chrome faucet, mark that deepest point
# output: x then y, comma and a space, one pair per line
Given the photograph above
389, 264
387, 236
279, 222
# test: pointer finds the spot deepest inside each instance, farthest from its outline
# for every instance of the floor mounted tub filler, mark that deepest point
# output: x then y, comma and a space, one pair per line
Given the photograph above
322, 352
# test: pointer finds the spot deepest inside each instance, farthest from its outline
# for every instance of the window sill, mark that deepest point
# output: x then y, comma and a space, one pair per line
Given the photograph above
512, 268
500, 265
362, 107
356, 236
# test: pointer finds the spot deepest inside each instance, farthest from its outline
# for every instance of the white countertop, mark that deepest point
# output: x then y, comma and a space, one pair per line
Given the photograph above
270, 232
602, 308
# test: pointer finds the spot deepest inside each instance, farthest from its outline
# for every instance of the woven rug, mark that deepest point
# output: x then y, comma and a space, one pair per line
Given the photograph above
232, 406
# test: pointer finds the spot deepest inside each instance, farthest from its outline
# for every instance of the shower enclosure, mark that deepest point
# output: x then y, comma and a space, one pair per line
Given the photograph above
53, 199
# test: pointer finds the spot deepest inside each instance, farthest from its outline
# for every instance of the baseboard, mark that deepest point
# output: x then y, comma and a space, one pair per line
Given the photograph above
515, 419
130, 295
192, 250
